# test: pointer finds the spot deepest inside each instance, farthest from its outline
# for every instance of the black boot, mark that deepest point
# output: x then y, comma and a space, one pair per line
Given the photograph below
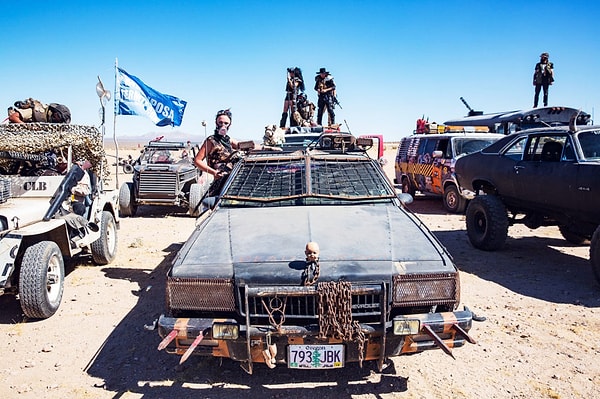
283, 120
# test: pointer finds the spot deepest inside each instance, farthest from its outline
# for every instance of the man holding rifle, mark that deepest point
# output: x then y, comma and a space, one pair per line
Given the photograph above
325, 87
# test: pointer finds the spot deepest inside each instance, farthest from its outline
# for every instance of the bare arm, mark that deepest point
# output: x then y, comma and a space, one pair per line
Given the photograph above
200, 160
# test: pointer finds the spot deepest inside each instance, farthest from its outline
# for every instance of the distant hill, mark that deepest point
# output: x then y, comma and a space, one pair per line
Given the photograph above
145, 138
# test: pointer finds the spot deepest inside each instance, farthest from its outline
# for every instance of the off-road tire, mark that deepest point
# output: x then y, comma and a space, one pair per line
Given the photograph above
407, 188
453, 201
487, 222
127, 206
196, 194
595, 254
104, 249
572, 237
41, 280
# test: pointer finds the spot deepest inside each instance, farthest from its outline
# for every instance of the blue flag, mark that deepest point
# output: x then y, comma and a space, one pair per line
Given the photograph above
135, 98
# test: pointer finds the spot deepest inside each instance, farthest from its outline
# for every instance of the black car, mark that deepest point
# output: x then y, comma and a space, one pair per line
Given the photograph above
538, 177
309, 259
164, 174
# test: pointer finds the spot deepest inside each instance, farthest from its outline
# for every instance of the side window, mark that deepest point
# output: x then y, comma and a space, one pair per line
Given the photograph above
426, 149
569, 152
444, 147
515, 151
545, 148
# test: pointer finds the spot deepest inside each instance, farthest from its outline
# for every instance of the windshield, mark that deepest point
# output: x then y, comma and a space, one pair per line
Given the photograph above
590, 144
307, 181
468, 145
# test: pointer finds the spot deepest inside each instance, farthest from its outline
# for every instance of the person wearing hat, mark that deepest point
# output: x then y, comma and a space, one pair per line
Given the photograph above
325, 87
543, 77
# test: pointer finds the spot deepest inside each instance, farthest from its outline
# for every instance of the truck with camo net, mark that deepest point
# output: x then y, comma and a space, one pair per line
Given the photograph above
40, 164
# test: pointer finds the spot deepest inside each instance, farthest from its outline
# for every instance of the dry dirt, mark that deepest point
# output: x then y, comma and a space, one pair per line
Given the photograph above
541, 338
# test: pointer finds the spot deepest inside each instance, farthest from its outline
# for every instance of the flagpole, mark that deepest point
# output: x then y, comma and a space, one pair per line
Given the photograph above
116, 99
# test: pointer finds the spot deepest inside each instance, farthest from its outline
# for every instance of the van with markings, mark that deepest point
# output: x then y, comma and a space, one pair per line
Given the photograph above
425, 160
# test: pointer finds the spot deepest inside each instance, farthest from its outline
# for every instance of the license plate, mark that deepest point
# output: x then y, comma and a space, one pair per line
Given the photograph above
315, 356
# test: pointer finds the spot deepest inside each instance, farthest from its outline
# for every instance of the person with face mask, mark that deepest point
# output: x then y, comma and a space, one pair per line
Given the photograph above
214, 156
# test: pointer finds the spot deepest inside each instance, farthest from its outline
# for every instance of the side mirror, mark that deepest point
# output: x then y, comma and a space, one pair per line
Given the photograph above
437, 154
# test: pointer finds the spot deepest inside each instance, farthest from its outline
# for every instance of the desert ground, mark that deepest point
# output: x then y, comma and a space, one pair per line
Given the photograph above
540, 337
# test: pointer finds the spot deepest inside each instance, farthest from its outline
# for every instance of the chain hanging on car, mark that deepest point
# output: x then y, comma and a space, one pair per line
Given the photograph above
311, 272
335, 314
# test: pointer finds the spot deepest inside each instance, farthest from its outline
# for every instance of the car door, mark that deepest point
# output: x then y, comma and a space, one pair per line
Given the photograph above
545, 179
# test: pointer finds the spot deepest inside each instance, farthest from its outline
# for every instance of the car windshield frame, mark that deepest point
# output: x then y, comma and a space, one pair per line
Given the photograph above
307, 179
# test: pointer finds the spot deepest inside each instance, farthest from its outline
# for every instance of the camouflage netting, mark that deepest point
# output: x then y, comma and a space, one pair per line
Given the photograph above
38, 138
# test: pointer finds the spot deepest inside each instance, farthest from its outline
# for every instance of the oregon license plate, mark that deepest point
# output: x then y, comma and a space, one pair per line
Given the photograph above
315, 356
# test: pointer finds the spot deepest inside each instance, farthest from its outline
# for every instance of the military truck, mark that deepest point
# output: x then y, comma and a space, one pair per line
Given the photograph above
40, 228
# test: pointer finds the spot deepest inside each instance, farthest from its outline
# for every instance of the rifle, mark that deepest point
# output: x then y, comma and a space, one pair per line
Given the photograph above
64, 190
332, 100
335, 101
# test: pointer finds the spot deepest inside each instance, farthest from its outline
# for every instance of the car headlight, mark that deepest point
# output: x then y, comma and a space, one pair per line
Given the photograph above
225, 331
404, 326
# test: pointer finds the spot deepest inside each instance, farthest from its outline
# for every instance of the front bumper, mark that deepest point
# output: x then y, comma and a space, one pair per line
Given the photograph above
185, 336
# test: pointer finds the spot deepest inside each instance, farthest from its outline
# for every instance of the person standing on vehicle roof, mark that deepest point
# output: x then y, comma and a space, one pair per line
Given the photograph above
543, 77
325, 87
293, 88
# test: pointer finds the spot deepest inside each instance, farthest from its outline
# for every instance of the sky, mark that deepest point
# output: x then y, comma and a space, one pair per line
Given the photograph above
392, 61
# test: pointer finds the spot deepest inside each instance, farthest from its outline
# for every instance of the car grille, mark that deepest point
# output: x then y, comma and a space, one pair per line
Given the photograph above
157, 185
4, 189
302, 302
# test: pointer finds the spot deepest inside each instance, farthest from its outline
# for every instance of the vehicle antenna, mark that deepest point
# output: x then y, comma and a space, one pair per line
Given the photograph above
347, 127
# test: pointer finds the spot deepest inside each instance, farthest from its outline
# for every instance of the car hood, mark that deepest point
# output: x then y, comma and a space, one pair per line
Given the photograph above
266, 245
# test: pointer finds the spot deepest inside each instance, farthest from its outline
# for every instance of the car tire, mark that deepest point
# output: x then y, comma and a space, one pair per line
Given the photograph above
127, 205
595, 253
104, 249
487, 222
127, 168
41, 280
573, 238
453, 201
407, 188
196, 194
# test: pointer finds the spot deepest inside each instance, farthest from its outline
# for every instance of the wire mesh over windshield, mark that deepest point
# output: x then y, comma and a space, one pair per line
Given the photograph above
329, 178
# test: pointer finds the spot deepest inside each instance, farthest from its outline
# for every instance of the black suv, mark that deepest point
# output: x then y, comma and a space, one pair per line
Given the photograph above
250, 283
164, 174
538, 177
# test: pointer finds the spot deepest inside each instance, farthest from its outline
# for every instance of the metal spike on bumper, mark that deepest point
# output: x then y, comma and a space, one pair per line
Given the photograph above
167, 340
193, 346
440, 343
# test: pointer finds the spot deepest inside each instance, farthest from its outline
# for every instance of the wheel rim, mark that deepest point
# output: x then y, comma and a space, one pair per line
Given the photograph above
111, 240
53, 279
480, 223
451, 200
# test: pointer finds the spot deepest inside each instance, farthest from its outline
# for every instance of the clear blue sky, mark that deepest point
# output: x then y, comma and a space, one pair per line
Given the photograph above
393, 61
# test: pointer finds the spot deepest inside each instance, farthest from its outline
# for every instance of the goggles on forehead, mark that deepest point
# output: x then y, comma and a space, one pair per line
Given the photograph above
226, 112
